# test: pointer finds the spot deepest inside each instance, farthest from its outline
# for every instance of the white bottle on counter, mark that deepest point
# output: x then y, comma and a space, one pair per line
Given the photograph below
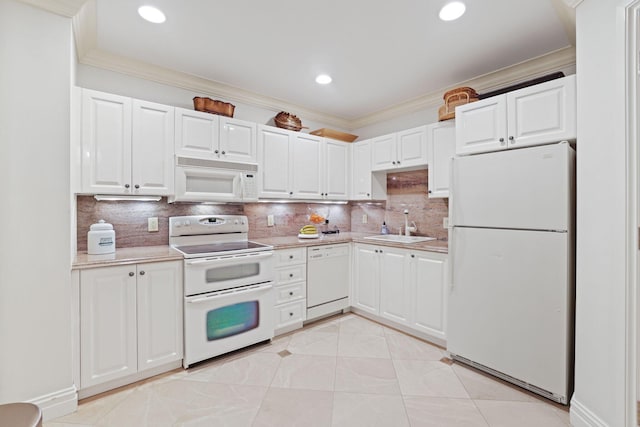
101, 239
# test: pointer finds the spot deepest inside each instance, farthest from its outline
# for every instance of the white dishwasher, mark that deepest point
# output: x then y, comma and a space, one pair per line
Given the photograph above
327, 279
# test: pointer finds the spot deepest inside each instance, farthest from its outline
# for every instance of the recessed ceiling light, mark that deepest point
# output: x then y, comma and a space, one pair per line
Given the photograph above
323, 79
452, 10
152, 14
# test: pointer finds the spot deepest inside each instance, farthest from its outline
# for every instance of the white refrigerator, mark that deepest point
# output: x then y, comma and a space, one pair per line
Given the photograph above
512, 244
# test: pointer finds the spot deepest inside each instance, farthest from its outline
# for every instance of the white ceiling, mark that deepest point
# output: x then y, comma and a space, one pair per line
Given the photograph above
379, 53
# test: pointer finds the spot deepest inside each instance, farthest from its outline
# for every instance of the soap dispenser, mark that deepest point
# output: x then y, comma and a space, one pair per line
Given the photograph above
384, 229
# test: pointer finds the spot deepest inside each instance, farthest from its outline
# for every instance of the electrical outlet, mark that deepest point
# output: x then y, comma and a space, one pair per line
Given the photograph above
270, 221
445, 222
365, 219
152, 223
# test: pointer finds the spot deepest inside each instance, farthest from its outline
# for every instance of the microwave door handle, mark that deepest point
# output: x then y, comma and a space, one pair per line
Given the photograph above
224, 294
221, 260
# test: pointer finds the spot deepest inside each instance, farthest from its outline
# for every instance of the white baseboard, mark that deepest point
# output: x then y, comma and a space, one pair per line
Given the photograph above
58, 403
581, 416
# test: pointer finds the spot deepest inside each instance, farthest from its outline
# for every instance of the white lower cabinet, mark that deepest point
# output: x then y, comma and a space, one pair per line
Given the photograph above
291, 289
130, 320
404, 286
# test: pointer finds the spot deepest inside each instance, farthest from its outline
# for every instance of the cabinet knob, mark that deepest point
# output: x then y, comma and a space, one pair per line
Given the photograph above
224, 152
291, 294
136, 186
512, 139
290, 314
380, 250
290, 256
413, 256
127, 186
398, 161
142, 273
291, 193
290, 274
131, 274
429, 191
394, 162
368, 195
216, 151
501, 141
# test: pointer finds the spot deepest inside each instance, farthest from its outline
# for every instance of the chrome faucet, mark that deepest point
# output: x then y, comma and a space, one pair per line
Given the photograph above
407, 229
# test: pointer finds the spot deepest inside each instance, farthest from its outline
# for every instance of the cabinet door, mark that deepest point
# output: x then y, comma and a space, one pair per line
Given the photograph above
441, 143
542, 113
366, 289
336, 170
106, 143
307, 166
384, 152
428, 296
412, 147
159, 303
275, 162
481, 126
238, 140
107, 324
395, 298
152, 148
196, 134
361, 167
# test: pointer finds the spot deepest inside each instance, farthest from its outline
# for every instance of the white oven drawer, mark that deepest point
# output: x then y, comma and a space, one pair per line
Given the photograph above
224, 321
290, 293
291, 274
290, 313
291, 256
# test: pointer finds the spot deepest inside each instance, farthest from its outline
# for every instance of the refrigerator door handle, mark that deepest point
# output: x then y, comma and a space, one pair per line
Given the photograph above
452, 234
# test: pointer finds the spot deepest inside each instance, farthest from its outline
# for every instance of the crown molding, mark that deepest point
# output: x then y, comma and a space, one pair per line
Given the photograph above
68, 8
143, 70
517, 73
572, 3
85, 28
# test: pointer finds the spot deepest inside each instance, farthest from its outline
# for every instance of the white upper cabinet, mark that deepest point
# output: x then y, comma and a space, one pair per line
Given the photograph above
335, 166
208, 136
533, 115
296, 165
275, 160
238, 141
400, 150
365, 185
127, 145
441, 146
307, 176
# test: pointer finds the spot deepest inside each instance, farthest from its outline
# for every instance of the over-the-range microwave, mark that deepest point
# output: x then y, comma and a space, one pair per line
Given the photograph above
202, 180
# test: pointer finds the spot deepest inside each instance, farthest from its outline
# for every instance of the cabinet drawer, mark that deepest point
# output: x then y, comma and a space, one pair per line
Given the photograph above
290, 313
291, 256
290, 292
295, 273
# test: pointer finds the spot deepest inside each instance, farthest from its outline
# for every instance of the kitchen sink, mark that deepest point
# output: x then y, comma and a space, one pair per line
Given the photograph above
400, 239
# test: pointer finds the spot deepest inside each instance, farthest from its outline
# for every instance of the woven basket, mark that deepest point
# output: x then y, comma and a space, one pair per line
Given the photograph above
288, 121
452, 99
213, 106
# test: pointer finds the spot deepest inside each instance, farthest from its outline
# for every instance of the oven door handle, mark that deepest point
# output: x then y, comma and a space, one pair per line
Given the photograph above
241, 257
224, 294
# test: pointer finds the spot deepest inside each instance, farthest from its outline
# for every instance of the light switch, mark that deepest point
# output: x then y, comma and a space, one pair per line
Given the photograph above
365, 219
152, 223
270, 221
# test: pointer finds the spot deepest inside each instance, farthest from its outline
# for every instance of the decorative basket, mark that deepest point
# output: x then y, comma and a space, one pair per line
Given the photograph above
453, 98
212, 106
288, 121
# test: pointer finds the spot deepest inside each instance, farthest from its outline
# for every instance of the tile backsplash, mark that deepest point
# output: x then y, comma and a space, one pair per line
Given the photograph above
405, 190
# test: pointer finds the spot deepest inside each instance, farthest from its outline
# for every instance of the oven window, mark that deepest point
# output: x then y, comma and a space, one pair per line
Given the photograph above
231, 272
232, 320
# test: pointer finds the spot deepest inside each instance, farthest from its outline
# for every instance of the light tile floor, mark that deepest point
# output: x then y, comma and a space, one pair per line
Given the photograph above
345, 371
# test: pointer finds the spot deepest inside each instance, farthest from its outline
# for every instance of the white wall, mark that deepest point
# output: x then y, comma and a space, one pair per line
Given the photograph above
599, 397
35, 297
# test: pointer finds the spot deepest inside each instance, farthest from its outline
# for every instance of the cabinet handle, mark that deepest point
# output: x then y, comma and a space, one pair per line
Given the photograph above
512, 139
290, 294
429, 191
501, 141
142, 273
398, 161
136, 186
290, 314
290, 256
368, 195
394, 162
131, 274
290, 274
291, 193
413, 256
216, 151
127, 186
224, 152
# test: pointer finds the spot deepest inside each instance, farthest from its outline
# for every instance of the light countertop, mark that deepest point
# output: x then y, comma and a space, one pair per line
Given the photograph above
124, 256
